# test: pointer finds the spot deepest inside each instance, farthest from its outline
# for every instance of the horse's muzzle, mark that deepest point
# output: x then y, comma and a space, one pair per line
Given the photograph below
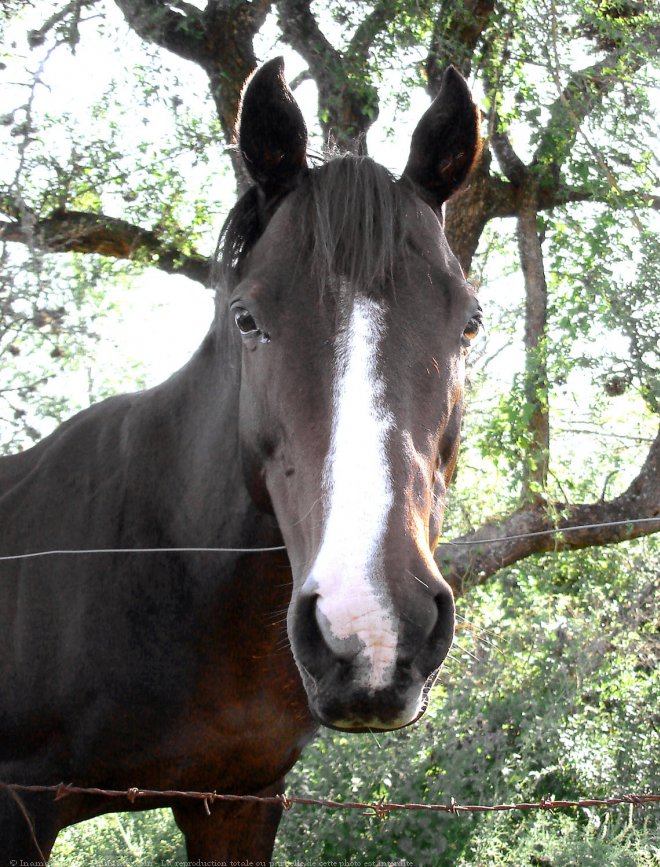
369, 679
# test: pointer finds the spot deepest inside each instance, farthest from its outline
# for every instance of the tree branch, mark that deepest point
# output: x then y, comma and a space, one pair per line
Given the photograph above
484, 197
487, 196
584, 89
79, 232
348, 101
381, 15
456, 34
476, 557
73, 8
512, 166
535, 469
302, 32
179, 29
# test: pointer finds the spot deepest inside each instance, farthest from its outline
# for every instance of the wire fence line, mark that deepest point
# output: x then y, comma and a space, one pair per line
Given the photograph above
378, 808
211, 550
66, 551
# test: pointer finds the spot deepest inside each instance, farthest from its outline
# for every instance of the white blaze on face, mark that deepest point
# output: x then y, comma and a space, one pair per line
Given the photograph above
353, 608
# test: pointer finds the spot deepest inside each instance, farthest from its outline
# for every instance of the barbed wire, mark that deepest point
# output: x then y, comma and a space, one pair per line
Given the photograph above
212, 550
379, 808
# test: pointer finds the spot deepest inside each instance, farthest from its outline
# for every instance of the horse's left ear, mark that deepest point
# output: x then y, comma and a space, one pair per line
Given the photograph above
272, 133
446, 141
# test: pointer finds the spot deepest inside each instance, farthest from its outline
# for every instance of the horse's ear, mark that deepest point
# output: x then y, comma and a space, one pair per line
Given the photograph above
446, 141
272, 133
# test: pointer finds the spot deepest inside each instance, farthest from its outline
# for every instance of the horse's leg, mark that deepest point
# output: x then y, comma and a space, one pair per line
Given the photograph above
235, 831
28, 827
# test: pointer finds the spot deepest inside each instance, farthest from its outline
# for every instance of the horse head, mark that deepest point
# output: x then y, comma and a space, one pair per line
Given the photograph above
354, 319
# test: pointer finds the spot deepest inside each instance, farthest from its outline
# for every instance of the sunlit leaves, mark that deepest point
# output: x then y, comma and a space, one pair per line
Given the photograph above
546, 692
51, 314
131, 145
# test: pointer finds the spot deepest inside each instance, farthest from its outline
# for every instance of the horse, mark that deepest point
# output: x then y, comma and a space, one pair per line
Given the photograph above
303, 454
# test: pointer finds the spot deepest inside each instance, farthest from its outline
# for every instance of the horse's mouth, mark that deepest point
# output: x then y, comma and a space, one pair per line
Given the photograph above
389, 710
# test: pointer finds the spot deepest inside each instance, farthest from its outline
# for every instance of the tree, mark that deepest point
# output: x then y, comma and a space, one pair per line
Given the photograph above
566, 89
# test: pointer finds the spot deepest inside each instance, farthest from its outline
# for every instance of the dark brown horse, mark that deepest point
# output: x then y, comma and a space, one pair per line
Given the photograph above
321, 412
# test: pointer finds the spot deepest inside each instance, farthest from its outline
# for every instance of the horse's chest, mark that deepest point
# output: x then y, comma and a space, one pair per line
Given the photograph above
242, 719
227, 757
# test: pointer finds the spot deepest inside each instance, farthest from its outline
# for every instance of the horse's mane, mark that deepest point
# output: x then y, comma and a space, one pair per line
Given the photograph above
348, 226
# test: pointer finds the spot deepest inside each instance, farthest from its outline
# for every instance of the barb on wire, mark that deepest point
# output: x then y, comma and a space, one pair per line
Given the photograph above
377, 808
209, 550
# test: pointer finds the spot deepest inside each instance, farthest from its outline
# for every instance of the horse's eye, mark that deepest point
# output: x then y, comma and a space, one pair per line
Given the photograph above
245, 322
471, 330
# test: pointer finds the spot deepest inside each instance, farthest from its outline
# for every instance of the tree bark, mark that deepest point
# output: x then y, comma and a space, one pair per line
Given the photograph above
537, 451
456, 34
80, 232
348, 101
219, 39
483, 197
536, 387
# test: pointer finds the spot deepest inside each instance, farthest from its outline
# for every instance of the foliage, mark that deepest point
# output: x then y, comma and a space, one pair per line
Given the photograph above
606, 318
51, 315
95, 154
602, 363
142, 840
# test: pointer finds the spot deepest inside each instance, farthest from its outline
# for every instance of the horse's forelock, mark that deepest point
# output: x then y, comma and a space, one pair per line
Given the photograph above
348, 227
354, 216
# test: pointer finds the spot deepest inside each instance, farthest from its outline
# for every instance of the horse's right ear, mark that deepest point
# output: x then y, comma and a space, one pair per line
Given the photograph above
445, 143
272, 133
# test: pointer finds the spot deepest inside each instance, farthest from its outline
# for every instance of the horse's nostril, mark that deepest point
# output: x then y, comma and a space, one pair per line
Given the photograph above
446, 611
306, 624
424, 645
319, 631
312, 650
441, 636
344, 647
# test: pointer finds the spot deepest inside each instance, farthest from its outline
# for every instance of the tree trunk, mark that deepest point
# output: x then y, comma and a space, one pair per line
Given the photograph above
535, 468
